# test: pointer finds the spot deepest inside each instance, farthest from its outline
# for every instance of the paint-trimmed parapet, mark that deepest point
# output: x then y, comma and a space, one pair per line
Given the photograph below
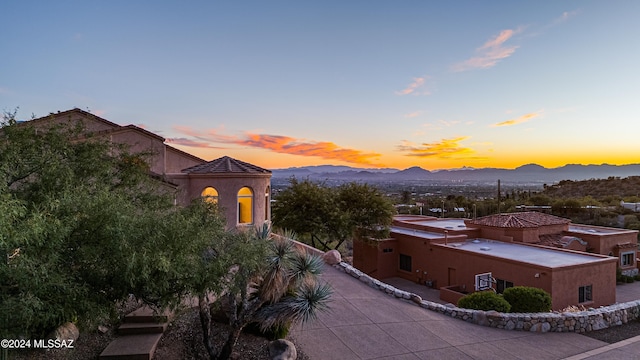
581, 321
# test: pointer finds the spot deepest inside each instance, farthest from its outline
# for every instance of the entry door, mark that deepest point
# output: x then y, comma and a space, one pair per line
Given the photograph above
452, 277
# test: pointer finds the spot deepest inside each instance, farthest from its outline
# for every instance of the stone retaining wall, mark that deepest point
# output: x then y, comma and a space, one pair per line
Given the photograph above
582, 321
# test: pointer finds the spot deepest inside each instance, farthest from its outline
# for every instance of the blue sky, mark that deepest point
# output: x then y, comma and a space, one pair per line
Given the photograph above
360, 83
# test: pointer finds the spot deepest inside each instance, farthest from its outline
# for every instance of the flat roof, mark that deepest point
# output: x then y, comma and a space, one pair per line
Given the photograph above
586, 229
417, 233
447, 224
526, 254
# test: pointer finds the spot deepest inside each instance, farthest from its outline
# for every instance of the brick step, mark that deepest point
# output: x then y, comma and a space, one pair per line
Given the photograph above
133, 328
131, 347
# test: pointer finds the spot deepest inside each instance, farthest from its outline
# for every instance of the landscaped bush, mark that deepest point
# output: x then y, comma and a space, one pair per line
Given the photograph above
484, 300
637, 277
524, 299
628, 279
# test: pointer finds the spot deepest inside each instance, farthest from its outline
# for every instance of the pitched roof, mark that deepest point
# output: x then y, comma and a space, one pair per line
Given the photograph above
75, 111
529, 219
225, 164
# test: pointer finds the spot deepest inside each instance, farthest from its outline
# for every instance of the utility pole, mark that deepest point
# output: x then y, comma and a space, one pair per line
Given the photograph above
499, 200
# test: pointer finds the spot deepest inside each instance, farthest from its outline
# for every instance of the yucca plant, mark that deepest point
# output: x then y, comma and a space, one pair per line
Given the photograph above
277, 289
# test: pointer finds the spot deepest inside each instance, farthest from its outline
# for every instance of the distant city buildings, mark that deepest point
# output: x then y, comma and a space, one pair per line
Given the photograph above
635, 207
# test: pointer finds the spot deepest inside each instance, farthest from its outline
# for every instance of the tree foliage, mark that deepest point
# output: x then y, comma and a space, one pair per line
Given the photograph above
525, 299
484, 300
82, 226
324, 214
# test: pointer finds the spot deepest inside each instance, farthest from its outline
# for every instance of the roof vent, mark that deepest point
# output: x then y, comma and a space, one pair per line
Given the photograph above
476, 241
485, 248
448, 227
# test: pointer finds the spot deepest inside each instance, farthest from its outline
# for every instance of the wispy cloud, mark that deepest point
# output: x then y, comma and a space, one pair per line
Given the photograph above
192, 143
414, 114
416, 87
565, 16
445, 149
279, 144
489, 54
519, 120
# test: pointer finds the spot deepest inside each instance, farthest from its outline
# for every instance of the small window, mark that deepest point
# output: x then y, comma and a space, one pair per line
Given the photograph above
502, 285
245, 206
387, 250
627, 259
210, 194
405, 262
585, 294
267, 204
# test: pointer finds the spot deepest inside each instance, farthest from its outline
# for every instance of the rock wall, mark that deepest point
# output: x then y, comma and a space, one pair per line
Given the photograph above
582, 321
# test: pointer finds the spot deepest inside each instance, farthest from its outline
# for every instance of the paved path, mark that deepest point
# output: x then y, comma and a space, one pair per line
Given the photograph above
368, 324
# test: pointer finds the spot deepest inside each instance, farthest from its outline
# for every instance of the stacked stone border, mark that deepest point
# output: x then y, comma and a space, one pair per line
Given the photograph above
582, 321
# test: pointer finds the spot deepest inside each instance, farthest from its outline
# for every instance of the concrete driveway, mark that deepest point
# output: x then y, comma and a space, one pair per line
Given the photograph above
365, 323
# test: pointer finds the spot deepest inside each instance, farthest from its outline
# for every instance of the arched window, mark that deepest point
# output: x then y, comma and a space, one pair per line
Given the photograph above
245, 206
267, 203
210, 194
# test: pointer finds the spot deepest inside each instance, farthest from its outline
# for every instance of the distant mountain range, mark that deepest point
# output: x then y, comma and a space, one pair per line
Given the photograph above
531, 173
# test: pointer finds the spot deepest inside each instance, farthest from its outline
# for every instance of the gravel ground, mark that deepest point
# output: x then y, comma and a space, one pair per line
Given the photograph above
182, 340
616, 333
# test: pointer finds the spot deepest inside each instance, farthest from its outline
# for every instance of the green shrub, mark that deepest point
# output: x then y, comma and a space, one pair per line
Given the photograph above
484, 300
637, 277
524, 299
629, 279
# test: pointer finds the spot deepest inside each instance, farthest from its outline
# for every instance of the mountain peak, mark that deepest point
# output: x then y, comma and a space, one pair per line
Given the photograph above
414, 170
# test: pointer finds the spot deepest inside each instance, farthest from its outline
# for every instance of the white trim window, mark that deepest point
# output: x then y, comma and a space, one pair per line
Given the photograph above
628, 259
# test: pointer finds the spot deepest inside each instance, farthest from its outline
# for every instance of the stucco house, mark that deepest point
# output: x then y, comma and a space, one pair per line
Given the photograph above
576, 264
242, 190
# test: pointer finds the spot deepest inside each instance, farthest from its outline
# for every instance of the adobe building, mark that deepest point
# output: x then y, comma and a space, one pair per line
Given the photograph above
241, 190
576, 264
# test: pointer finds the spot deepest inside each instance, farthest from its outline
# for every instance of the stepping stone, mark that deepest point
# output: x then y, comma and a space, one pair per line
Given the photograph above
134, 328
132, 347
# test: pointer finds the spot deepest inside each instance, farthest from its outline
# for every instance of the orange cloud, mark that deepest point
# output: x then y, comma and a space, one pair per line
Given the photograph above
192, 143
445, 149
520, 120
415, 85
490, 53
280, 144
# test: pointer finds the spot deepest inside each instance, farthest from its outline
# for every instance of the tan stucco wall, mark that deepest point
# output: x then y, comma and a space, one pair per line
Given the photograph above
177, 161
228, 186
138, 142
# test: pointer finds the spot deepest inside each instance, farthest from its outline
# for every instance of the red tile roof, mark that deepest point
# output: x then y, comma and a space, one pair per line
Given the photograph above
559, 240
530, 219
226, 164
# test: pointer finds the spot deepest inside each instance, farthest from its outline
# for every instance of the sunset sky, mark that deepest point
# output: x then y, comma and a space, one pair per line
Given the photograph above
435, 84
